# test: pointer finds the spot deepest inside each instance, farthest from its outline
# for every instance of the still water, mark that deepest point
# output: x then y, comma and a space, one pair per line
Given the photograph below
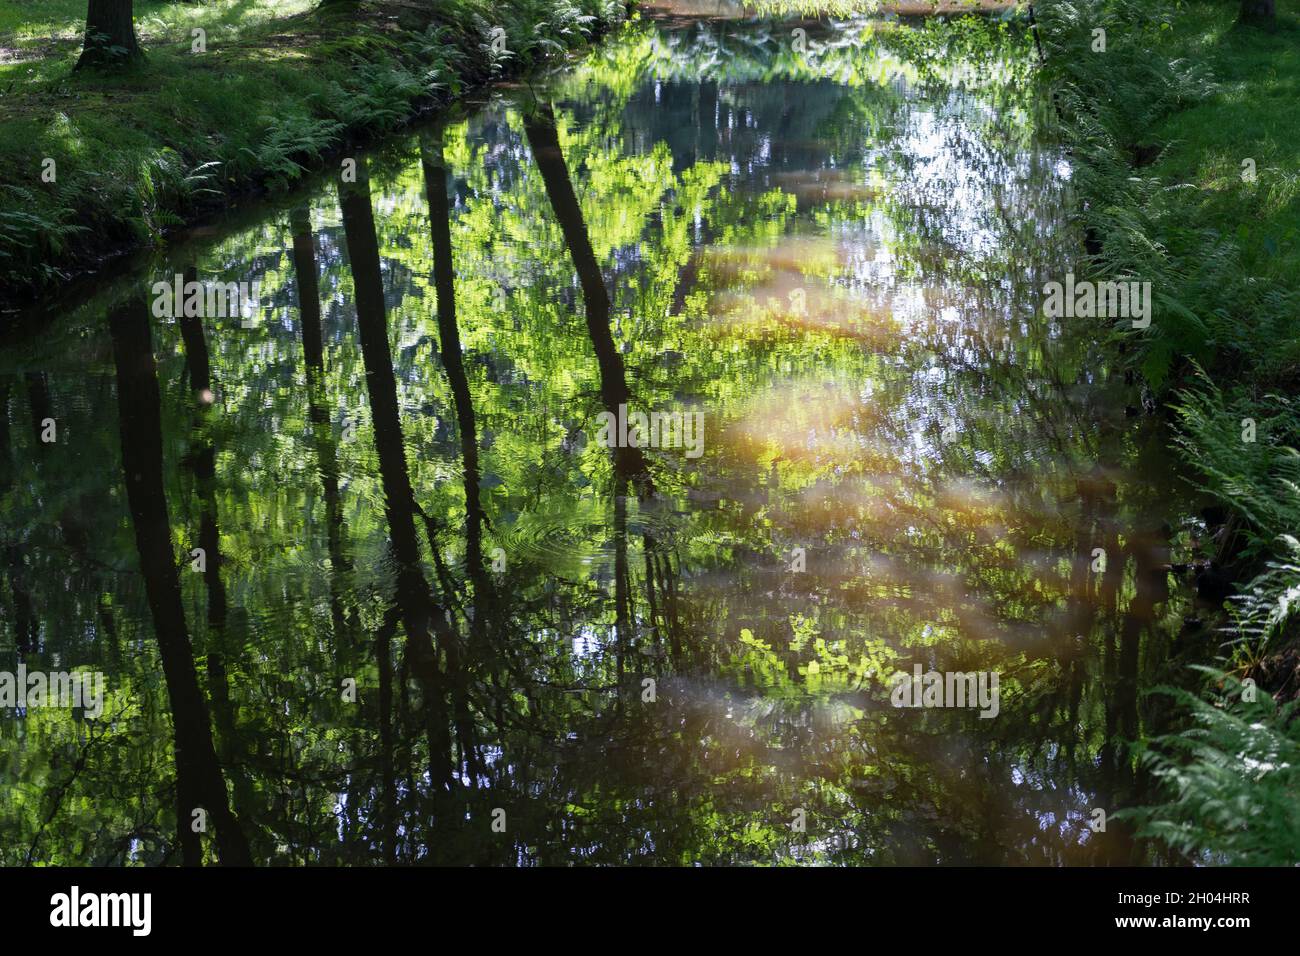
366, 585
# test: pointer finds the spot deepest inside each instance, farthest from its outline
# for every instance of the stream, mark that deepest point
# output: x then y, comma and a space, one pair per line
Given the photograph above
366, 582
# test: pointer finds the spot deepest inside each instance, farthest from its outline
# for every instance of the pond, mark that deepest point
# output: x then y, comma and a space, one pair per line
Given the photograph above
566, 480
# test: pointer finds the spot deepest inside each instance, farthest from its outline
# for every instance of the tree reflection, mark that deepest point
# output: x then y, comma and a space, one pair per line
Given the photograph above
199, 781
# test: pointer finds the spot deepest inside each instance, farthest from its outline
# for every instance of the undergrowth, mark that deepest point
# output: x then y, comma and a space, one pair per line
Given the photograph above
1185, 176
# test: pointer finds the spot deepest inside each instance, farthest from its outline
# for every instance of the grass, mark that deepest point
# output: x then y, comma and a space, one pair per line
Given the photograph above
1252, 116
32, 26
280, 87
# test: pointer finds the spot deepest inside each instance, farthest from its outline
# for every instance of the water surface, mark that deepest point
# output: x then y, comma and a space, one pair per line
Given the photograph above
436, 620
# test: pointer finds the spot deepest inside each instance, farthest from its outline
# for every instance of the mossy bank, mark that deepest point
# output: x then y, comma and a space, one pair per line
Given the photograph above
228, 99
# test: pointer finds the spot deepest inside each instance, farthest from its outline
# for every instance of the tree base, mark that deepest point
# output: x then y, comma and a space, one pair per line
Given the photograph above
108, 58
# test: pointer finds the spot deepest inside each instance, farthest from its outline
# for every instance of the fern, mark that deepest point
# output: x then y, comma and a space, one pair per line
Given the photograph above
289, 140
1231, 781
1259, 478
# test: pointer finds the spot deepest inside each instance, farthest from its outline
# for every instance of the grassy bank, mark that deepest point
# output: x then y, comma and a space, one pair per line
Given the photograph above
93, 163
1187, 148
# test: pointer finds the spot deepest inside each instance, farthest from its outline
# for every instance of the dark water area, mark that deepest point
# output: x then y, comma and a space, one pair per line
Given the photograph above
365, 585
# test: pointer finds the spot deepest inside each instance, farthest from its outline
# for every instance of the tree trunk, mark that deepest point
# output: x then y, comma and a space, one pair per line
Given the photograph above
444, 278
420, 614
1257, 11
199, 780
544, 140
313, 347
110, 34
